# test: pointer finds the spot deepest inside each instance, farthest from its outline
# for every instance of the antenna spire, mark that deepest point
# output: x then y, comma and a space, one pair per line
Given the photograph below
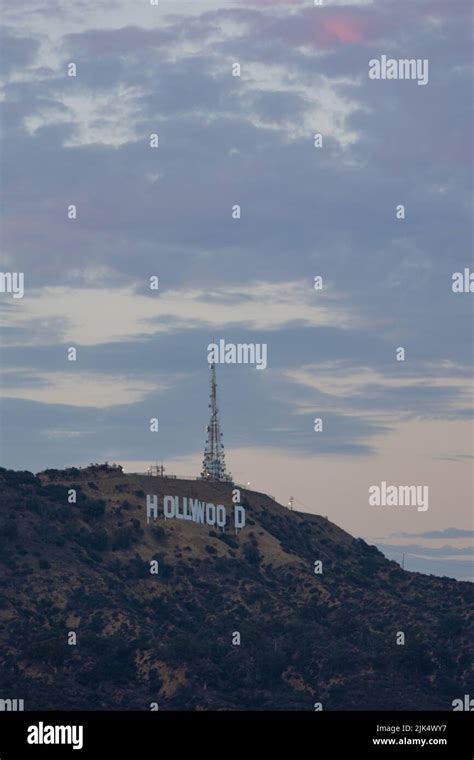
213, 465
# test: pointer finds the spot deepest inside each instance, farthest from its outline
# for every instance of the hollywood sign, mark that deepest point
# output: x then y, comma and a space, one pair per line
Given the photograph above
184, 508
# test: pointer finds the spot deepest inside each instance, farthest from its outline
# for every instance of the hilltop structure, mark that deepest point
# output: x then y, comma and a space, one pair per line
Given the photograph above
213, 466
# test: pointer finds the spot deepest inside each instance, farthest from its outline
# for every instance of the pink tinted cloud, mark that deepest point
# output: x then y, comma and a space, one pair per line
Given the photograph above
345, 29
325, 26
324, 29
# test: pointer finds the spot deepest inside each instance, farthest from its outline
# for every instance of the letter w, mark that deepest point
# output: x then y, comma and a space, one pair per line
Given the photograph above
197, 510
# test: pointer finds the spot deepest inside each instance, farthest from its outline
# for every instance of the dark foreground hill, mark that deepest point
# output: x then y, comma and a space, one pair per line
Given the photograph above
171, 638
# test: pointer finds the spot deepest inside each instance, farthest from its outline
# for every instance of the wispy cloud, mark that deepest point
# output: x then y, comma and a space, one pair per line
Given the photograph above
446, 533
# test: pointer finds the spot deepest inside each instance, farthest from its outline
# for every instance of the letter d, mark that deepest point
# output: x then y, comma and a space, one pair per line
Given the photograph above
239, 516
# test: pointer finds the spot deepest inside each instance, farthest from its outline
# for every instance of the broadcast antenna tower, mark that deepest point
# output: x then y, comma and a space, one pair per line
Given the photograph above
213, 465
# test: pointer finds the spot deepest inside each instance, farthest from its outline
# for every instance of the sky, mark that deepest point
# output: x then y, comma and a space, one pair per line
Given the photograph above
305, 212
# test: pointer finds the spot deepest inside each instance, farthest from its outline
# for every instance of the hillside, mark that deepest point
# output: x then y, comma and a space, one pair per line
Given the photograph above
167, 638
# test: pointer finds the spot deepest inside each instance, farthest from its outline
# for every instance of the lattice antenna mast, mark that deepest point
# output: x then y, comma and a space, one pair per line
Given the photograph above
213, 466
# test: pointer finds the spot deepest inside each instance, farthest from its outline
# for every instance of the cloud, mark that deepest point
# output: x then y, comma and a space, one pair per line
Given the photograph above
428, 552
118, 41
18, 52
126, 314
383, 391
461, 569
77, 388
446, 533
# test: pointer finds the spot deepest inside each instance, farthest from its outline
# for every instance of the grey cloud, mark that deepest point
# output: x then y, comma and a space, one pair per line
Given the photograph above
451, 568
16, 52
446, 533
428, 551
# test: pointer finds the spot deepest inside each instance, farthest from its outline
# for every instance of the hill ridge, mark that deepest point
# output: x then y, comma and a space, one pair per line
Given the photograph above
317, 612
